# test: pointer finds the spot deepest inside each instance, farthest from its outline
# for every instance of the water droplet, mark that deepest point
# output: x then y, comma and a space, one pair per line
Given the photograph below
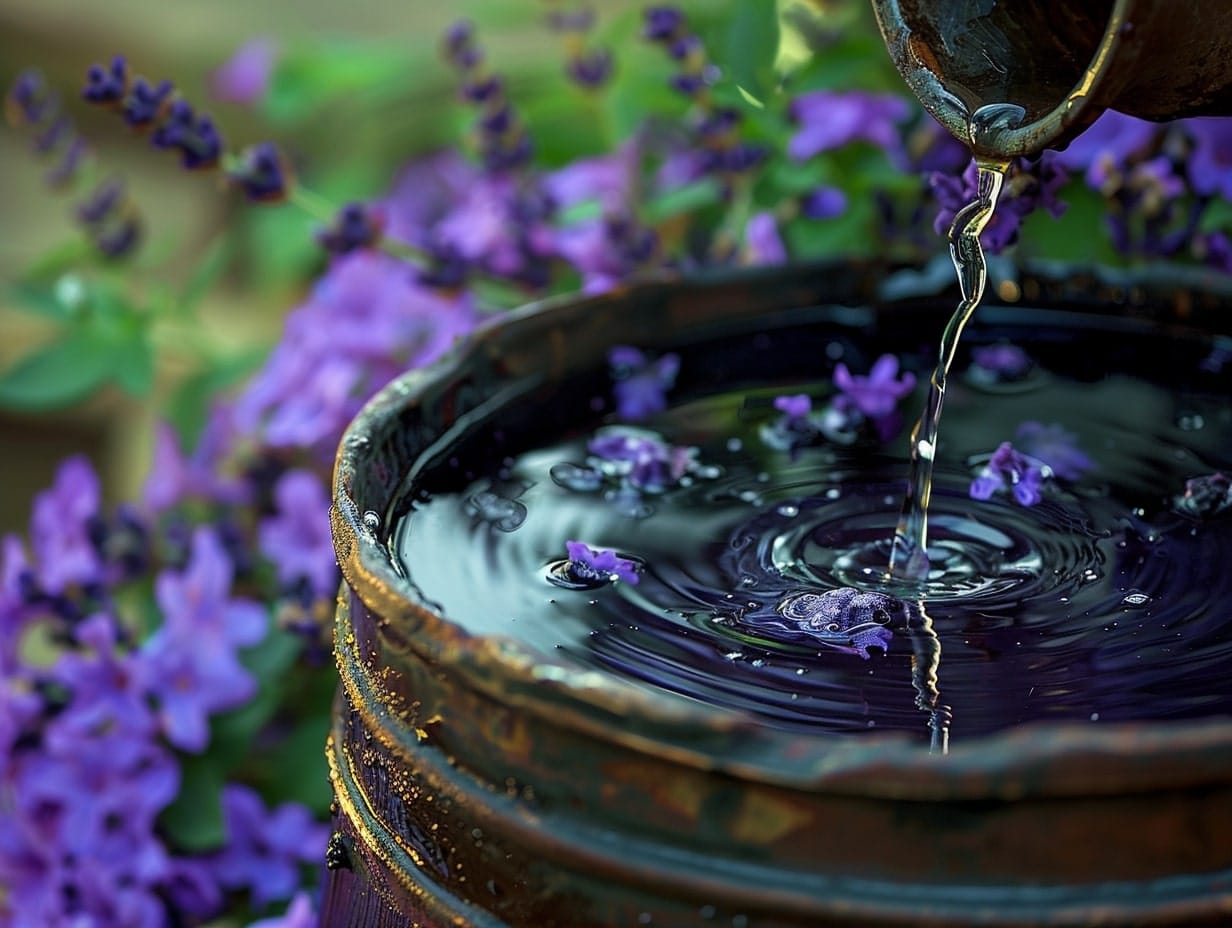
833, 493
834, 351
1094, 716
788, 511
372, 521
734, 444
733, 656
1190, 422
1136, 598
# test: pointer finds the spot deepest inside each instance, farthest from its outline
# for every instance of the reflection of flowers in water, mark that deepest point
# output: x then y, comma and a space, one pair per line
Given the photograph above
626, 464
845, 619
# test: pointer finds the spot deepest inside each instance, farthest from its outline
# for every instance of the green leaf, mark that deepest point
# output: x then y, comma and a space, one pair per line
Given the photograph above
231, 733
56, 375
692, 196
750, 45
1217, 217
194, 821
207, 272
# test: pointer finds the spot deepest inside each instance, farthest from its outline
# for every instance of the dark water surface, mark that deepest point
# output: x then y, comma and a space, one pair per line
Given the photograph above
1101, 603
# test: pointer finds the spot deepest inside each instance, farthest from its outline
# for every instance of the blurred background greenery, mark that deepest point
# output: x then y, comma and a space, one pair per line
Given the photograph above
359, 89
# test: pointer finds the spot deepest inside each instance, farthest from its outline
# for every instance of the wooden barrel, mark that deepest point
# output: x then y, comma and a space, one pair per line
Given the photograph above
479, 784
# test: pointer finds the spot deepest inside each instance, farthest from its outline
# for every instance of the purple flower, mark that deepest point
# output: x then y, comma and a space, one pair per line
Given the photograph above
261, 172
1001, 361
1109, 143
641, 385
191, 663
106, 85
797, 406
244, 78
877, 394
609, 179
642, 458
356, 226
1210, 162
824, 203
299, 914
662, 23
606, 251
592, 564
1054, 446
1011, 470
365, 322
145, 103
194, 137
1029, 186
60, 528
174, 478
830, 119
762, 242
265, 848
29, 101
297, 539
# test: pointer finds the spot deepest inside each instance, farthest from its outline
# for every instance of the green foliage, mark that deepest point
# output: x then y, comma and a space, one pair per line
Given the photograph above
105, 340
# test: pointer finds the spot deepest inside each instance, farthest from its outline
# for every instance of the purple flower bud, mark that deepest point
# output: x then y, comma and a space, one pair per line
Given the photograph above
686, 47
662, 23
641, 385
195, 137
459, 45
53, 135
591, 68
483, 90
144, 104
356, 226
262, 173
119, 239
824, 203
105, 200
106, 85
29, 101
688, 84
599, 564
65, 170
797, 406
244, 78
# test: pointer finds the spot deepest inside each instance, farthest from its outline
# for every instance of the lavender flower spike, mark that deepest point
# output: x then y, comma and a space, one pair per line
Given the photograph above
591, 564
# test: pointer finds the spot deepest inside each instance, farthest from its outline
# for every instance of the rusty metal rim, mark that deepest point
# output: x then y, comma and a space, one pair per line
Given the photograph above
1043, 758
730, 884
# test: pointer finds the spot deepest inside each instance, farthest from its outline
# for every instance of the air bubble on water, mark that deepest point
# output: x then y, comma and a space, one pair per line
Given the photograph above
763, 477
575, 477
1090, 575
1190, 422
708, 471
372, 521
685, 481
748, 581
758, 662
734, 444
788, 511
1136, 598
801, 671
1094, 716
733, 656
833, 493
750, 496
